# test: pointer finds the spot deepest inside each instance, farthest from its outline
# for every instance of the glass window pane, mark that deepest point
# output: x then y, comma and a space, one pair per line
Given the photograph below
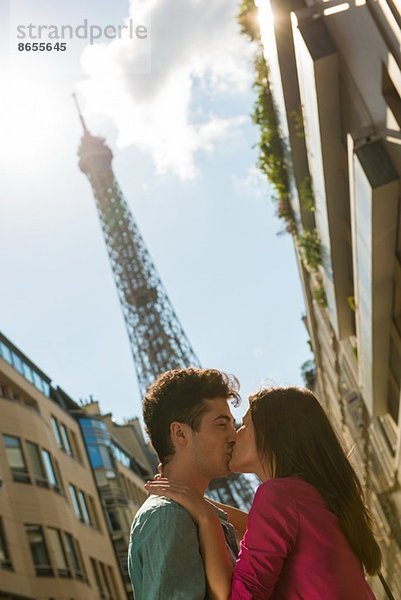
36, 463
17, 362
27, 372
100, 457
105, 454
84, 508
56, 432
66, 439
6, 353
58, 552
16, 459
97, 576
94, 455
51, 474
113, 582
114, 520
46, 388
38, 381
105, 578
80, 559
5, 561
75, 446
75, 502
93, 513
72, 554
40, 555
58, 474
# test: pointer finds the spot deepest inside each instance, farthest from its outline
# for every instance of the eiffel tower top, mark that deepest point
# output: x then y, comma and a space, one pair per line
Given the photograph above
93, 151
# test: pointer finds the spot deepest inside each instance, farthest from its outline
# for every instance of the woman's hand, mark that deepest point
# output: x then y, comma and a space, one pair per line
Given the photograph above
190, 499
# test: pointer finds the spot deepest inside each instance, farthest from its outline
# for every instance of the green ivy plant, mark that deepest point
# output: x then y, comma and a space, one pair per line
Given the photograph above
319, 294
309, 245
306, 196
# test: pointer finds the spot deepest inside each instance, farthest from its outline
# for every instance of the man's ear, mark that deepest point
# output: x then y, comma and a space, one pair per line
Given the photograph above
179, 433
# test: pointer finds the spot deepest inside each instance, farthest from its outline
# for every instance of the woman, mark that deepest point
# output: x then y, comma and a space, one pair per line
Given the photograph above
309, 534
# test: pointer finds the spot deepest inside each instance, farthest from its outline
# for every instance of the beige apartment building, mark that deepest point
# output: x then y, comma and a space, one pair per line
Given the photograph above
335, 80
59, 537
120, 460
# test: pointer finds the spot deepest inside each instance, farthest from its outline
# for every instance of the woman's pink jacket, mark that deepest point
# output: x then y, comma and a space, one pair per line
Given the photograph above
293, 549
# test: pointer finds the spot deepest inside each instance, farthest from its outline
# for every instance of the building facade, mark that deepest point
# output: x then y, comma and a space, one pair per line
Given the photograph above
120, 462
69, 490
334, 76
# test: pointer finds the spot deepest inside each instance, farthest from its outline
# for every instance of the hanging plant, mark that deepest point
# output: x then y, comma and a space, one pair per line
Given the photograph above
306, 196
248, 20
319, 294
271, 158
309, 246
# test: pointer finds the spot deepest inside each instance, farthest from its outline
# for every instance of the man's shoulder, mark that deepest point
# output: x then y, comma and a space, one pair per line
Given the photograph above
158, 510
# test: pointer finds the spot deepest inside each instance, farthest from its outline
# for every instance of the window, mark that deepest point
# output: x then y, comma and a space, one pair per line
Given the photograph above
100, 457
17, 362
114, 520
80, 505
51, 473
37, 464
6, 353
58, 552
104, 581
116, 595
84, 508
391, 96
38, 382
27, 372
83, 574
5, 561
97, 577
75, 502
73, 556
40, 555
63, 437
58, 474
56, 432
66, 440
75, 446
121, 456
16, 459
93, 512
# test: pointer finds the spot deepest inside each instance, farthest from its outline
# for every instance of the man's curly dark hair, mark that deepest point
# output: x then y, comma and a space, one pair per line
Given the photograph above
179, 395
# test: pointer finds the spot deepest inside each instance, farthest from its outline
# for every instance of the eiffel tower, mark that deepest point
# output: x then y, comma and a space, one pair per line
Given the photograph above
158, 342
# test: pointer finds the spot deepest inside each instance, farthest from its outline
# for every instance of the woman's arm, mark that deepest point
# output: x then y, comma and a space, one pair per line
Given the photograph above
217, 562
238, 518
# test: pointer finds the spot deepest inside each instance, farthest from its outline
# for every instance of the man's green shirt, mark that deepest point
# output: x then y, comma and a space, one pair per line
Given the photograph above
164, 559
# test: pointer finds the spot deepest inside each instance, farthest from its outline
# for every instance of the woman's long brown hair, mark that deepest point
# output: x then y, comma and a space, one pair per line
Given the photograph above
294, 437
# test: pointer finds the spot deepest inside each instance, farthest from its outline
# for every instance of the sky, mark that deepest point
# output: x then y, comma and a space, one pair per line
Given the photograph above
175, 110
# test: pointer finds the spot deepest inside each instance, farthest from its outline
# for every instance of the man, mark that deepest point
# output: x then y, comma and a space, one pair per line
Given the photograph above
191, 427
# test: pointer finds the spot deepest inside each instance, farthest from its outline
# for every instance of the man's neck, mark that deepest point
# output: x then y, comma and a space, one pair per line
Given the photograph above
186, 475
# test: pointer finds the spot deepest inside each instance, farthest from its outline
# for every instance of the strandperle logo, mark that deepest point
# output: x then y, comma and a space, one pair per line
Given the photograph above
84, 31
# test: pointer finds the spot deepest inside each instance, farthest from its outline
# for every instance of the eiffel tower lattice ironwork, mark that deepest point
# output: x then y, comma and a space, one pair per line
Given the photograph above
157, 339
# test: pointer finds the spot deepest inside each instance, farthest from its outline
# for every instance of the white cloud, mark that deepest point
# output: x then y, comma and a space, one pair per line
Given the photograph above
197, 54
